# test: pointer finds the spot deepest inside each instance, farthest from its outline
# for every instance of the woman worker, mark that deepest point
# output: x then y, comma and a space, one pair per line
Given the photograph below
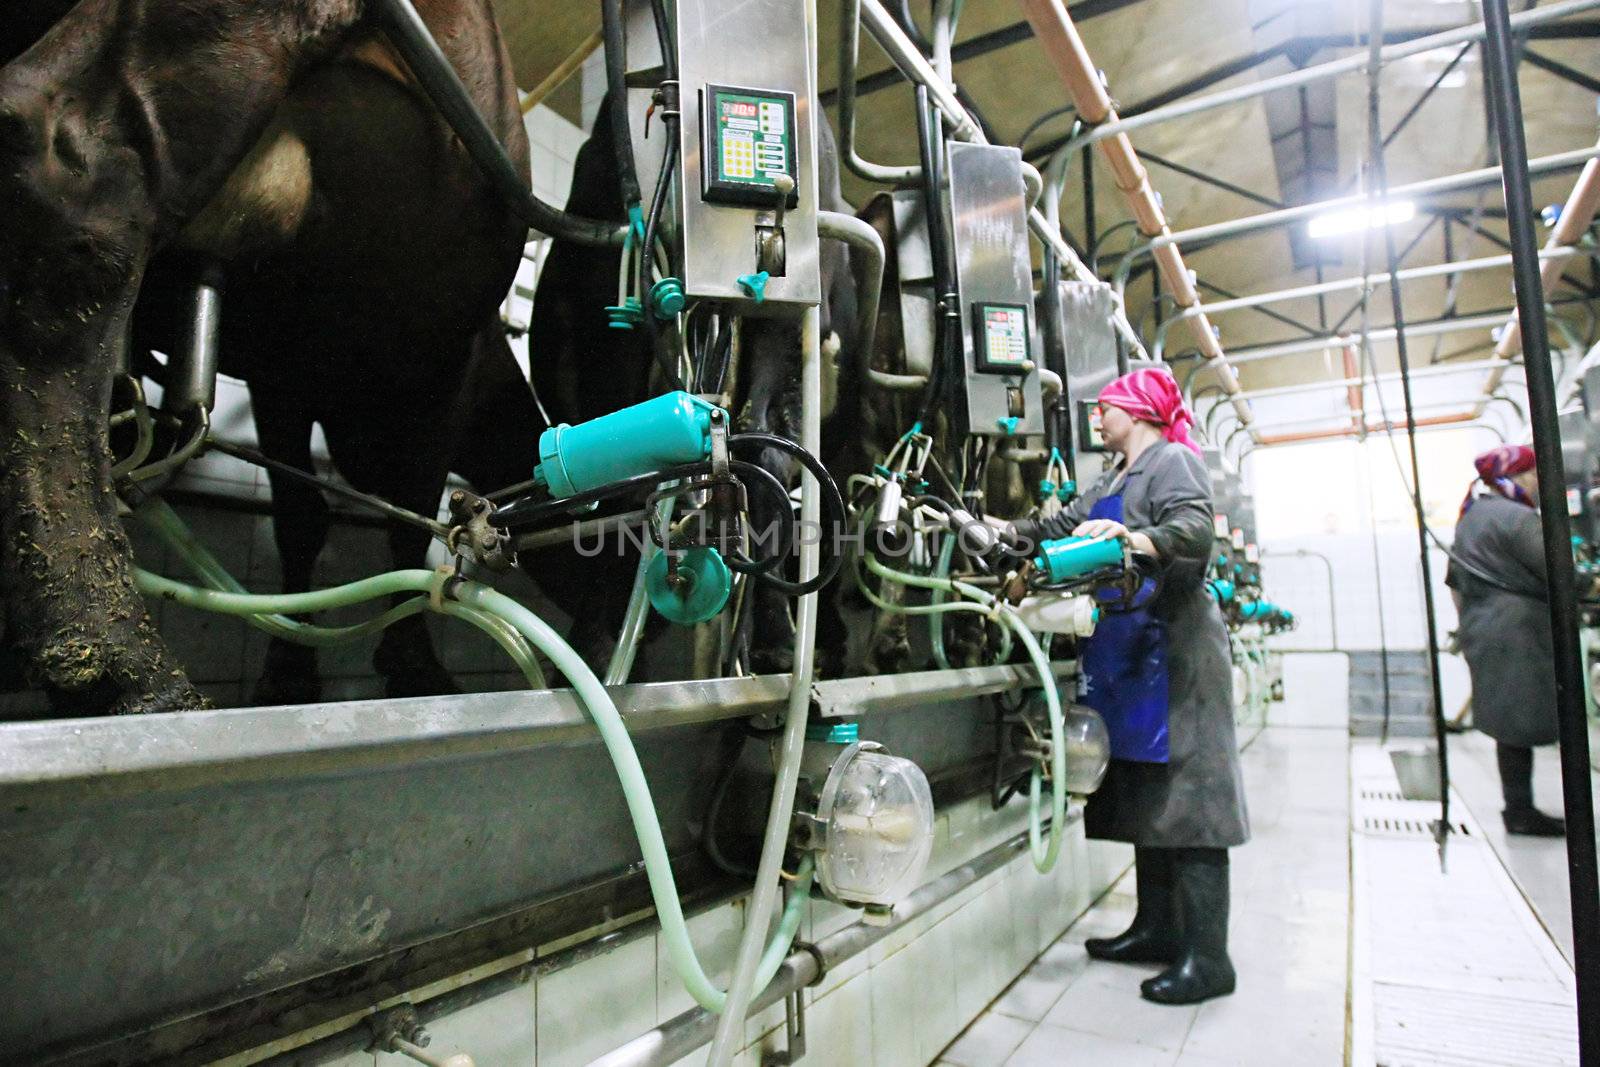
1160, 675
1497, 580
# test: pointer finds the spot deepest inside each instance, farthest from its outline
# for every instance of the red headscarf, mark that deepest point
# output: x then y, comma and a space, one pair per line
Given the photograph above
1152, 394
1495, 468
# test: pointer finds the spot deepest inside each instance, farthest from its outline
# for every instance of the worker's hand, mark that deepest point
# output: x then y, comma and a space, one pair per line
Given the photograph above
1106, 529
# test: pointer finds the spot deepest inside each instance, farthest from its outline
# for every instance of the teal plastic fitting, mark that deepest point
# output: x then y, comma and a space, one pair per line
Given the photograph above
1259, 609
1008, 425
1073, 557
755, 285
1068, 490
834, 733
701, 591
662, 432
626, 315
1222, 589
667, 299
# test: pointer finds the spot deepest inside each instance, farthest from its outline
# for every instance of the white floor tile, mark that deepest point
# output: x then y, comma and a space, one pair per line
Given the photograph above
1106, 1001
988, 1042
1051, 1046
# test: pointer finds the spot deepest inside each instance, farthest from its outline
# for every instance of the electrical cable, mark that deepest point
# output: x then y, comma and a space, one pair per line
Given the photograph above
1378, 160
832, 502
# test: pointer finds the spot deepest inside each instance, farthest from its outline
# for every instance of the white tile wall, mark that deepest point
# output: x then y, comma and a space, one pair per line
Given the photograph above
899, 1003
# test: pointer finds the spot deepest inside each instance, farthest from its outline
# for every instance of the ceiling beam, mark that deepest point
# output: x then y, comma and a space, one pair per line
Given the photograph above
1562, 71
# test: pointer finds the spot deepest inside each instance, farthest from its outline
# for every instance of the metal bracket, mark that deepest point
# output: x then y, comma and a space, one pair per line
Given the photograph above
471, 533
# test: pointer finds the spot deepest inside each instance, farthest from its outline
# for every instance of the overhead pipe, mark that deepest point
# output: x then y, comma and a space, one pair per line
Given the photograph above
1351, 379
1484, 176
1065, 48
1474, 31
1383, 426
1577, 215
1352, 372
1280, 296
915, 66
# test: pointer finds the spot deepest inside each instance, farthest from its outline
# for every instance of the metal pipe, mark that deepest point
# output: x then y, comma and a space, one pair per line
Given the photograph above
1269, 219
849, 53
681, 1036
1576, 216
864, 239
1319, 344
1583, 880
564, 70
1333, 604
1053, 26
431, 67
1279, 296
1358, 408
192, 381
1471, 32
1385, 426
730, 1025
572, 534
1354, 379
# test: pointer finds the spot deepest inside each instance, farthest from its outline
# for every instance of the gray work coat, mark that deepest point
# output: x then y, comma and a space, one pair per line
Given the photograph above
1196, 799
1505, 632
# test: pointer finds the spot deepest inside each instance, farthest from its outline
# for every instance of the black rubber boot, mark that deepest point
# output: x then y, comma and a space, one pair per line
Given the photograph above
1531, 822
1153, 937
1516, 786
1203, 970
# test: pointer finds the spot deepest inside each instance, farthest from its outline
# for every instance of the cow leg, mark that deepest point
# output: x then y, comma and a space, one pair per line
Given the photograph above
98, 161
300, 523
404, 457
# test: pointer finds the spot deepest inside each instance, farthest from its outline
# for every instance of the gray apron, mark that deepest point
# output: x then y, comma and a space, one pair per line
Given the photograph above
1196, 798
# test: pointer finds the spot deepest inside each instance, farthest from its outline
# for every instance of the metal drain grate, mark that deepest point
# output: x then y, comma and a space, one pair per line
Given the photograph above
1400, 827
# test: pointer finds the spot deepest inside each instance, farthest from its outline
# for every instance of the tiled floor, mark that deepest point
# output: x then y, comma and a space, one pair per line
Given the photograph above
1289, 942
1538, 865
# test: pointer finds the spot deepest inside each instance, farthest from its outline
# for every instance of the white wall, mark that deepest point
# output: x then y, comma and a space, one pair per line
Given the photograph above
1347, 502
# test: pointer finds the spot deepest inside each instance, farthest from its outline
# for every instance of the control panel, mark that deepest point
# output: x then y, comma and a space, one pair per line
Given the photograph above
747, 199
747, 137
1000, 340
1091, 438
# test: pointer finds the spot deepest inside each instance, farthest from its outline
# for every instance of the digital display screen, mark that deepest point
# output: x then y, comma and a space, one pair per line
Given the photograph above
1090, 436
749, 143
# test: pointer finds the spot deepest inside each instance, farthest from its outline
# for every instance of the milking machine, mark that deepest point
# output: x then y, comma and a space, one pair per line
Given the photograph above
1234, 580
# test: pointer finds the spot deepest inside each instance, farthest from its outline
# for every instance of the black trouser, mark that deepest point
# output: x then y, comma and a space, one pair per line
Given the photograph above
1516, 775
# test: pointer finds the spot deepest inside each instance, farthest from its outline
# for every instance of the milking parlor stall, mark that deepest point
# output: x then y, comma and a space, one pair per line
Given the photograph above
550, 533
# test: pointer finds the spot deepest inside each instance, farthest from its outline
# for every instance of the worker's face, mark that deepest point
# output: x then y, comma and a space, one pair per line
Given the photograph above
1116, 426
1529, 480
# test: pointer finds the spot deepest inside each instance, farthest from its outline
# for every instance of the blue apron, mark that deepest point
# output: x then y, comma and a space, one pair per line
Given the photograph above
1125, 667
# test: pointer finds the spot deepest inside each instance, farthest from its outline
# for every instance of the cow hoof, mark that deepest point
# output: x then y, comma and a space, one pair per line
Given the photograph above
889, 657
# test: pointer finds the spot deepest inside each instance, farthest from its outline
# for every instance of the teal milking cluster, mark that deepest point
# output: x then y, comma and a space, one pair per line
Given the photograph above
1070, 558
662, 432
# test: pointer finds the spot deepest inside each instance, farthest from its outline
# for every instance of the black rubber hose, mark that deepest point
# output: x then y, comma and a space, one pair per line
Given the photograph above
930, 148
414, 41
530, 510
617, 86
832, 502
653, 335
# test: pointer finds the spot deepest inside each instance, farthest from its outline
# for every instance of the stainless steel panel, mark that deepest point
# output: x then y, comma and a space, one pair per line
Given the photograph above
761, 44
915, 265
989, 217
1092, 354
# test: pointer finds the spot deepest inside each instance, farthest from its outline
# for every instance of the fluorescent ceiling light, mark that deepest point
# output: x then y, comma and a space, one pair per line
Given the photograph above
1333, 223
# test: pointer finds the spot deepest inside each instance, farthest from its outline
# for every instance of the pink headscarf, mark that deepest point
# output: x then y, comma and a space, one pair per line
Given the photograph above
1495, 468
1152, 394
